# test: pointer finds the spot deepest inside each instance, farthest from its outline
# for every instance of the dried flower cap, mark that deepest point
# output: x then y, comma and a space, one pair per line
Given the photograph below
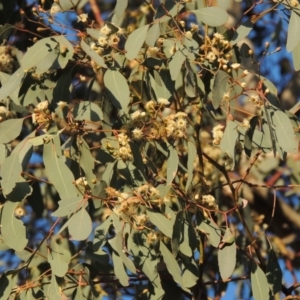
105, 30
82, 18
42, 106
163, 101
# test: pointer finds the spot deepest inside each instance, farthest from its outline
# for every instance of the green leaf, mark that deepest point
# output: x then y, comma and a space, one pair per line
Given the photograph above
11, 170
145, 256
190, 273
161, 222
5, 286
61, 91
87, 161
242, 32
64, 58
117, 85
121, 7
135, 41
211, 16
58, 173
92, 54
296, 57
119, 269
229, 139
68, 206
13, 231
87, 110
284, 132
192, 153
172, 164
52, 290
21, 190
274, 274
176, 63
101, 232
59, 259
293, 37
177, 232
212, 232
41, 50
10, 129
153, 34
12, 84
220, 87
117, 245
80, 225
227, 260
172, 265
259, 283
185, 245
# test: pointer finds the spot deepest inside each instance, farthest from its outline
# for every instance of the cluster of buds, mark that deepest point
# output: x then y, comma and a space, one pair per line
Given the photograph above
148, 192
218, 49
105, 40
42, 115
124, 151
7, 61
176, 125
254, 99
217, 133
209, 201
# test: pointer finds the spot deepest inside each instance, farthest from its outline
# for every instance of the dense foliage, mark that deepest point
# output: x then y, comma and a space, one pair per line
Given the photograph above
134, 152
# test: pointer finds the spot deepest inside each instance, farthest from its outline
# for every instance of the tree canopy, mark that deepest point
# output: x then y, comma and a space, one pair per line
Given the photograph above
147, 149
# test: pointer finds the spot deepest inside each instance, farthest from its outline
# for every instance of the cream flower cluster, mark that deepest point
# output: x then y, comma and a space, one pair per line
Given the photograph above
7, 61
176, 125
124, 151
217, 133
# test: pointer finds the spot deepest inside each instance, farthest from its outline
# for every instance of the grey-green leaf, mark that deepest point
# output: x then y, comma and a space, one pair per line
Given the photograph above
58, 173
10, 129
176, 63
192, 153
229, 139
117, 85
119, 269
135, 41
172, 265
259, 283
13, 230
161, 222
212, 232
293, 37
227, 260
212, 16
59, 259
219, 88
284, 132
172, 164
80, 225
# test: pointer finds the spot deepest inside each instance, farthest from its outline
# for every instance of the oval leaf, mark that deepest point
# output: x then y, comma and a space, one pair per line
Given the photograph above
10, 129
13, 230
117, 85
293, 36
80, 225
227, 260
212, 16
172, 164
135, 41
259, 283
161, 222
